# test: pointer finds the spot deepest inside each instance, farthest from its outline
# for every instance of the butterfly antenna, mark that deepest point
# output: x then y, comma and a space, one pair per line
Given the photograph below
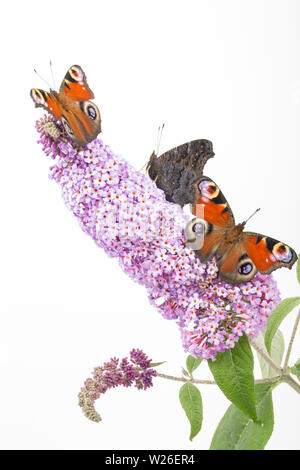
244, 223
53, 81
157, 140
42, 78
144, 166
155, 153
159, 134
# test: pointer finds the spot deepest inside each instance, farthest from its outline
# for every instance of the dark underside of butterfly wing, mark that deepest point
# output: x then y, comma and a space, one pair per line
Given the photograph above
176, 171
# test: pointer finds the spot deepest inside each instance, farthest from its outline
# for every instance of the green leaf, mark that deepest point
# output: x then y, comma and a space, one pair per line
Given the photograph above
191, 402
192, 363
276, 317
277, 349
298, 269
296, 369
233, 372
236, 431
155, 364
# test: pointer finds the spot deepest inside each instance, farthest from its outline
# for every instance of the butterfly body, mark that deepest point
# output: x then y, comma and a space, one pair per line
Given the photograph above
176, 171
80, 116
239, 255
234, 234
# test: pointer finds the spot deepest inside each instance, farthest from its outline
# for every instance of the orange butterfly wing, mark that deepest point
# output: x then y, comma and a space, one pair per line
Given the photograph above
212, 208
239, 255
206, 242
254, 252
267, 253
46, 100
81, 121
75, 125
236, 266
80, 117
75, 86
211, 205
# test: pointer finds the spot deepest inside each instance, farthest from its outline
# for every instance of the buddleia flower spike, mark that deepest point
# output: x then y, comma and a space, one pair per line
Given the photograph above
127, 216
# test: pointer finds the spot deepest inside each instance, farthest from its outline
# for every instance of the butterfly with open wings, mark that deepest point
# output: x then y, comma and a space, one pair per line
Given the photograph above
239, 255
79, 116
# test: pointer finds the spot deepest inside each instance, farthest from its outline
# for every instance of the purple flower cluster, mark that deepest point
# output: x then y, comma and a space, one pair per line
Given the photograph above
129, 217
135, 371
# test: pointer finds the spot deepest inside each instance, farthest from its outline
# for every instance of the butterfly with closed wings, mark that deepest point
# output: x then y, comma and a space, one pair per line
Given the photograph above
239, 255
176, 171
79, 116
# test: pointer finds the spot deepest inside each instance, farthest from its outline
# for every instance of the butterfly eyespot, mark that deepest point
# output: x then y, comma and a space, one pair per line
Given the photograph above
208, 189
76, 73
92, 112
90, 109
245, 268
282, 252
67, 126
195, 232
199, 229
37, 96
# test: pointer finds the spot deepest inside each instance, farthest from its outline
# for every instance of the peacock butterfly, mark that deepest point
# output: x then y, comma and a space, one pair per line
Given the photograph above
239, 255
176, 171
79, 116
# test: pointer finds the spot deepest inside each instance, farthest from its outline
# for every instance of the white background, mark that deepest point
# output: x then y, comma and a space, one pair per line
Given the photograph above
222, 70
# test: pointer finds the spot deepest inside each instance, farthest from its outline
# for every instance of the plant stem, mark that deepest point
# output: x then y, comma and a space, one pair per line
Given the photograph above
267, 358
284, 375
289, 380
212, 382
285, 365
184, 379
